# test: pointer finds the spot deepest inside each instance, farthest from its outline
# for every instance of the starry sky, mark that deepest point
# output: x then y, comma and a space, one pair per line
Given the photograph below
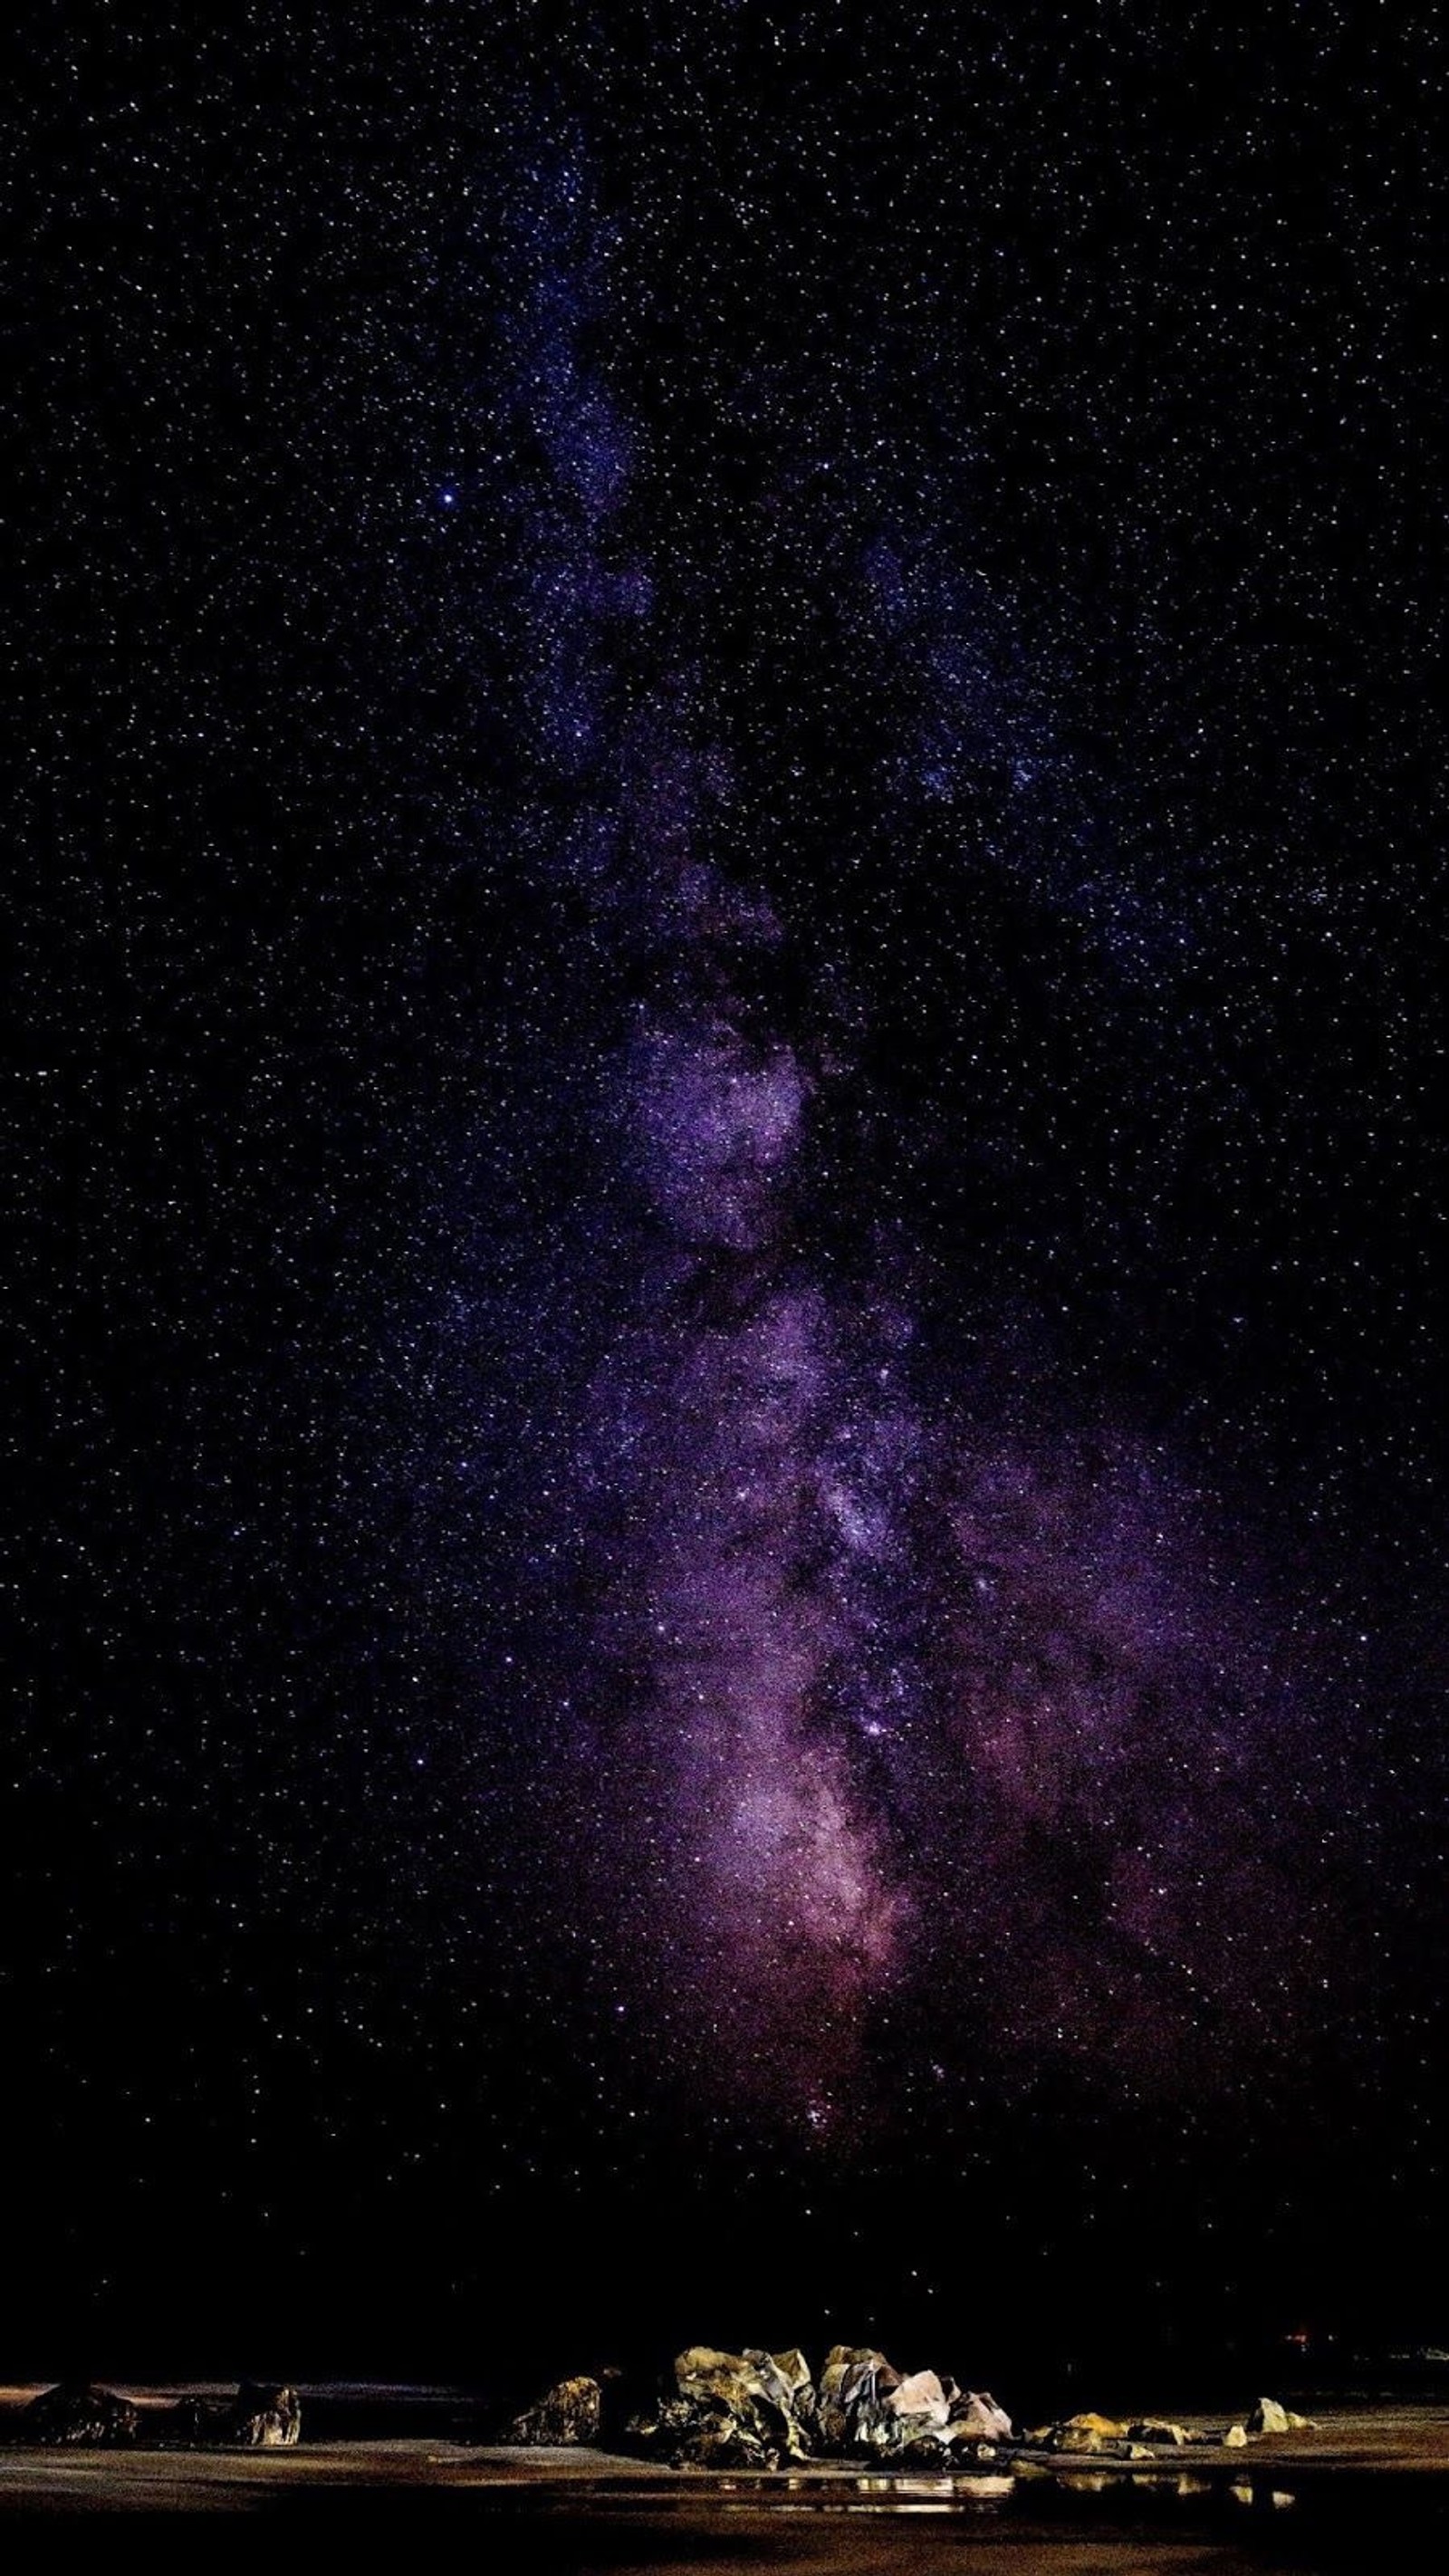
726, 1475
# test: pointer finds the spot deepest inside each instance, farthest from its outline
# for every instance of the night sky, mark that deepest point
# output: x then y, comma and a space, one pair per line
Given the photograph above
726, 1442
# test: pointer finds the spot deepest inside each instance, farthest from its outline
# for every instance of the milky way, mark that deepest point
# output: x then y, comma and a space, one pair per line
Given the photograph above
728, 1463
912, 1682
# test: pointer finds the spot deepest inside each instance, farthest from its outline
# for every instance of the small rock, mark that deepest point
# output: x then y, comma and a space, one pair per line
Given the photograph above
1086, 2432
1236, 2438
1151, 2430
1268, 2417
569, 2412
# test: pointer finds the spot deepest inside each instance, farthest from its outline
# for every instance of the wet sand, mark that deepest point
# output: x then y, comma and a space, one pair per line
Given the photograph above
1367, 2490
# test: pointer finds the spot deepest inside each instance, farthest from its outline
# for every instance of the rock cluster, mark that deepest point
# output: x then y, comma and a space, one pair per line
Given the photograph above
259, 2417
757, 2409
1146, 2436
1140, 2439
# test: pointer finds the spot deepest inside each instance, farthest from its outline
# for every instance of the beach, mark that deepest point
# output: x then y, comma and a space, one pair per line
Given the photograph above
1367, 2488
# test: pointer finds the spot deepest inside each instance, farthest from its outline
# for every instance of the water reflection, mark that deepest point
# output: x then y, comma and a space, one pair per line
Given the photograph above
988, 2491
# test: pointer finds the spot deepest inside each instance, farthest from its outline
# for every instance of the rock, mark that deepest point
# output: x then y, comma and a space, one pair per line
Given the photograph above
1149, 2429
265, 2416
731, 2410
701, 2434
753, 2390
758, 2409
1087, 2432
793, 2372
920, 2451
1268, 2417
703, 2371
794, 2369
786, 2381
724, 2445
854, 2386
1300, 2423
830, 2412
975, 2416
1236, 2438
77, 2412
569, 2412
919, 2403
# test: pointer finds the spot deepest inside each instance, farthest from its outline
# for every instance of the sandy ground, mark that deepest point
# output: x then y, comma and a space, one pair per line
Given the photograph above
1366, 2491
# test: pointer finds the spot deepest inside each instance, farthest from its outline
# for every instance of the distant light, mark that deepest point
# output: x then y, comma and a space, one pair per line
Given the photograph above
448, 498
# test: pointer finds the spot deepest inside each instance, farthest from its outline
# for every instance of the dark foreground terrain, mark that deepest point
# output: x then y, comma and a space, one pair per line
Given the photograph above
1365, 2491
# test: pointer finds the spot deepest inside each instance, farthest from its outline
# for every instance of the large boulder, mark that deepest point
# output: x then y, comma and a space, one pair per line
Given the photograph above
756, 2392
569, 2412
749, 2409
77, 2412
